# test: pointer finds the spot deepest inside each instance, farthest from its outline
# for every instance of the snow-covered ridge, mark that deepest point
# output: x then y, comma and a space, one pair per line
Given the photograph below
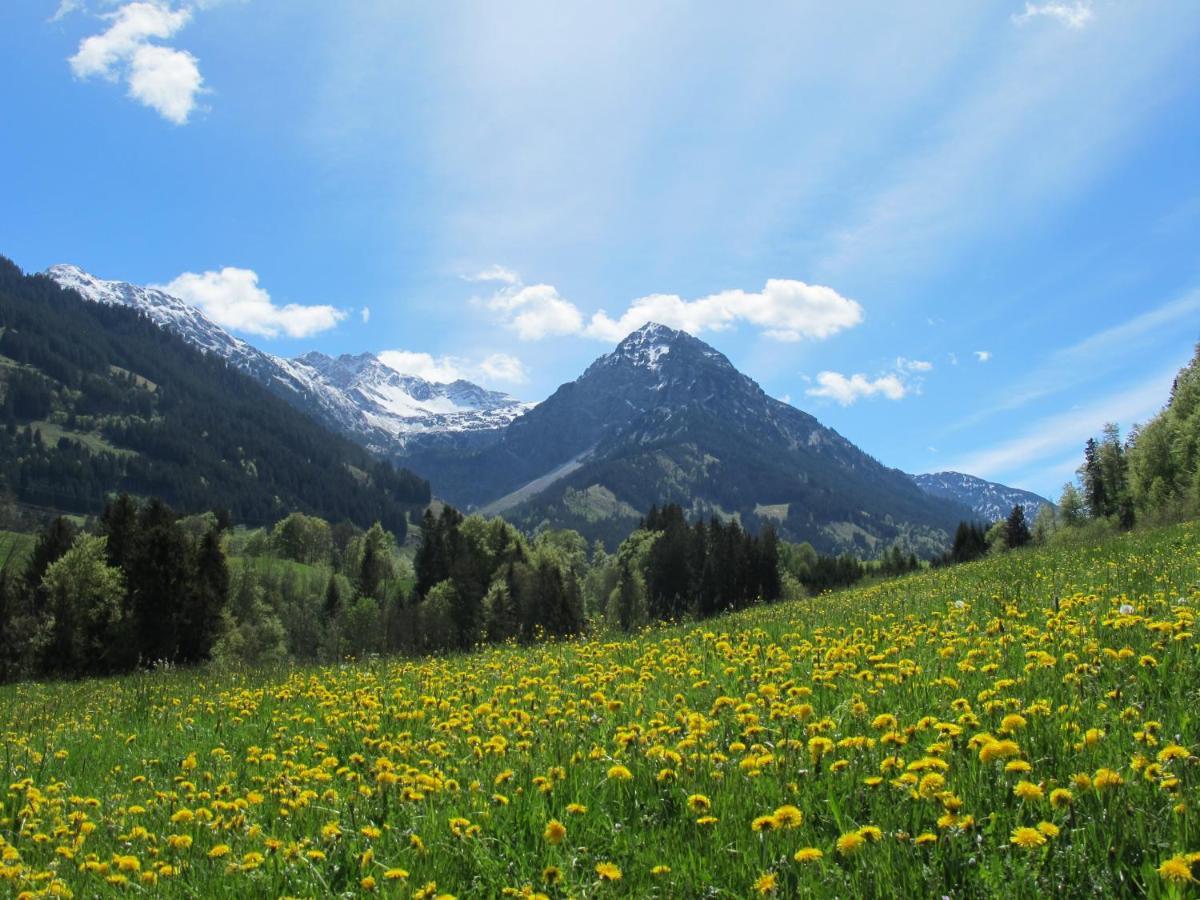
357, 395
987, 499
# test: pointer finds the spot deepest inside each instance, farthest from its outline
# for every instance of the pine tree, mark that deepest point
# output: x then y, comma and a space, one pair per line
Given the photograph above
1017, 530
1094, 489
332, 604
201, 618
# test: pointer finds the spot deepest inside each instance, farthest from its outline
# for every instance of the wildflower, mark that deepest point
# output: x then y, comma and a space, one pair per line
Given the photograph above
619, 773
788, 816
1061, 798
1106, 778
218, 851
608, 872
552, 874
996, 750
1012, 722
1177, 869
1049, 829
367, 883
807, 855
576, 809
660, 870
1028, 838
555, 832
850, 843
698, 803
766, 883
1028, 791
395, 875
763, 823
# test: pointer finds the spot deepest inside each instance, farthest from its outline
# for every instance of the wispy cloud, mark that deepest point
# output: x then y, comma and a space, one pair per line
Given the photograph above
1073, 15
1055, 434
1093, 357
983, 355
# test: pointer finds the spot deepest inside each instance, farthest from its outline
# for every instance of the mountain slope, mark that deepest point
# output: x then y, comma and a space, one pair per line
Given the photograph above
98, 399
358, 396
987, 499
666, 418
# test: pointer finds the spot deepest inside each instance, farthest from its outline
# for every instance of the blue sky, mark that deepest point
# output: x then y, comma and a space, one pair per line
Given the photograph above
963, 234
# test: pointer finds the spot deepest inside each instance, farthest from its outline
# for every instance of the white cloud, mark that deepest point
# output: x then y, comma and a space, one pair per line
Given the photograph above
232, 298
424, 365
166, 80
163, 78
1073, 15
365, 314
846, 390
536, 311
496, 367
903, 381
983, 355
495, 273
786, 310
502, 367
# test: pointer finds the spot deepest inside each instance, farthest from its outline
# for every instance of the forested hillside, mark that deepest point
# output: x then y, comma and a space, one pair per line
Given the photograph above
97, 399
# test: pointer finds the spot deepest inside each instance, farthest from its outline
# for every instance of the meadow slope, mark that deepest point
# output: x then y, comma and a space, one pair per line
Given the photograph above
1021, 727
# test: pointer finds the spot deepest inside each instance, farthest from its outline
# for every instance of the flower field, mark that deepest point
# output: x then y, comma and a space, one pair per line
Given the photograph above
1021, 727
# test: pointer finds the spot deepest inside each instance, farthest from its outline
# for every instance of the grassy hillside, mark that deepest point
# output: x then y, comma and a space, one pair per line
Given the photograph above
1020, 727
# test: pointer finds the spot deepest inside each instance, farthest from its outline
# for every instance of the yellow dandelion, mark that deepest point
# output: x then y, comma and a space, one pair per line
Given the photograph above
850, 843
1027, 838
608, 871
766, 883
788, 816
1177, 869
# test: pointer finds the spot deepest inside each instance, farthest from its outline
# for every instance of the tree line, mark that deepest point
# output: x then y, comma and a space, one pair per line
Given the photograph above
137, 589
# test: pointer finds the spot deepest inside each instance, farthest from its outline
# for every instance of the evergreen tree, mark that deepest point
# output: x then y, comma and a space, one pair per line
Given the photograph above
204, 606
1094, 488
333, 599
1016, 530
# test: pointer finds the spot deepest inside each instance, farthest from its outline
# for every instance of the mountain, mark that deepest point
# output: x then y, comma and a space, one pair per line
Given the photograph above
357, 396
99, 398
665, 418
988, 500
407, 407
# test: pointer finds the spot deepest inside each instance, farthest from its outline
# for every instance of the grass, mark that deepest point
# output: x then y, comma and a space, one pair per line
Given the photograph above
917, 724
15, 548
95, 442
